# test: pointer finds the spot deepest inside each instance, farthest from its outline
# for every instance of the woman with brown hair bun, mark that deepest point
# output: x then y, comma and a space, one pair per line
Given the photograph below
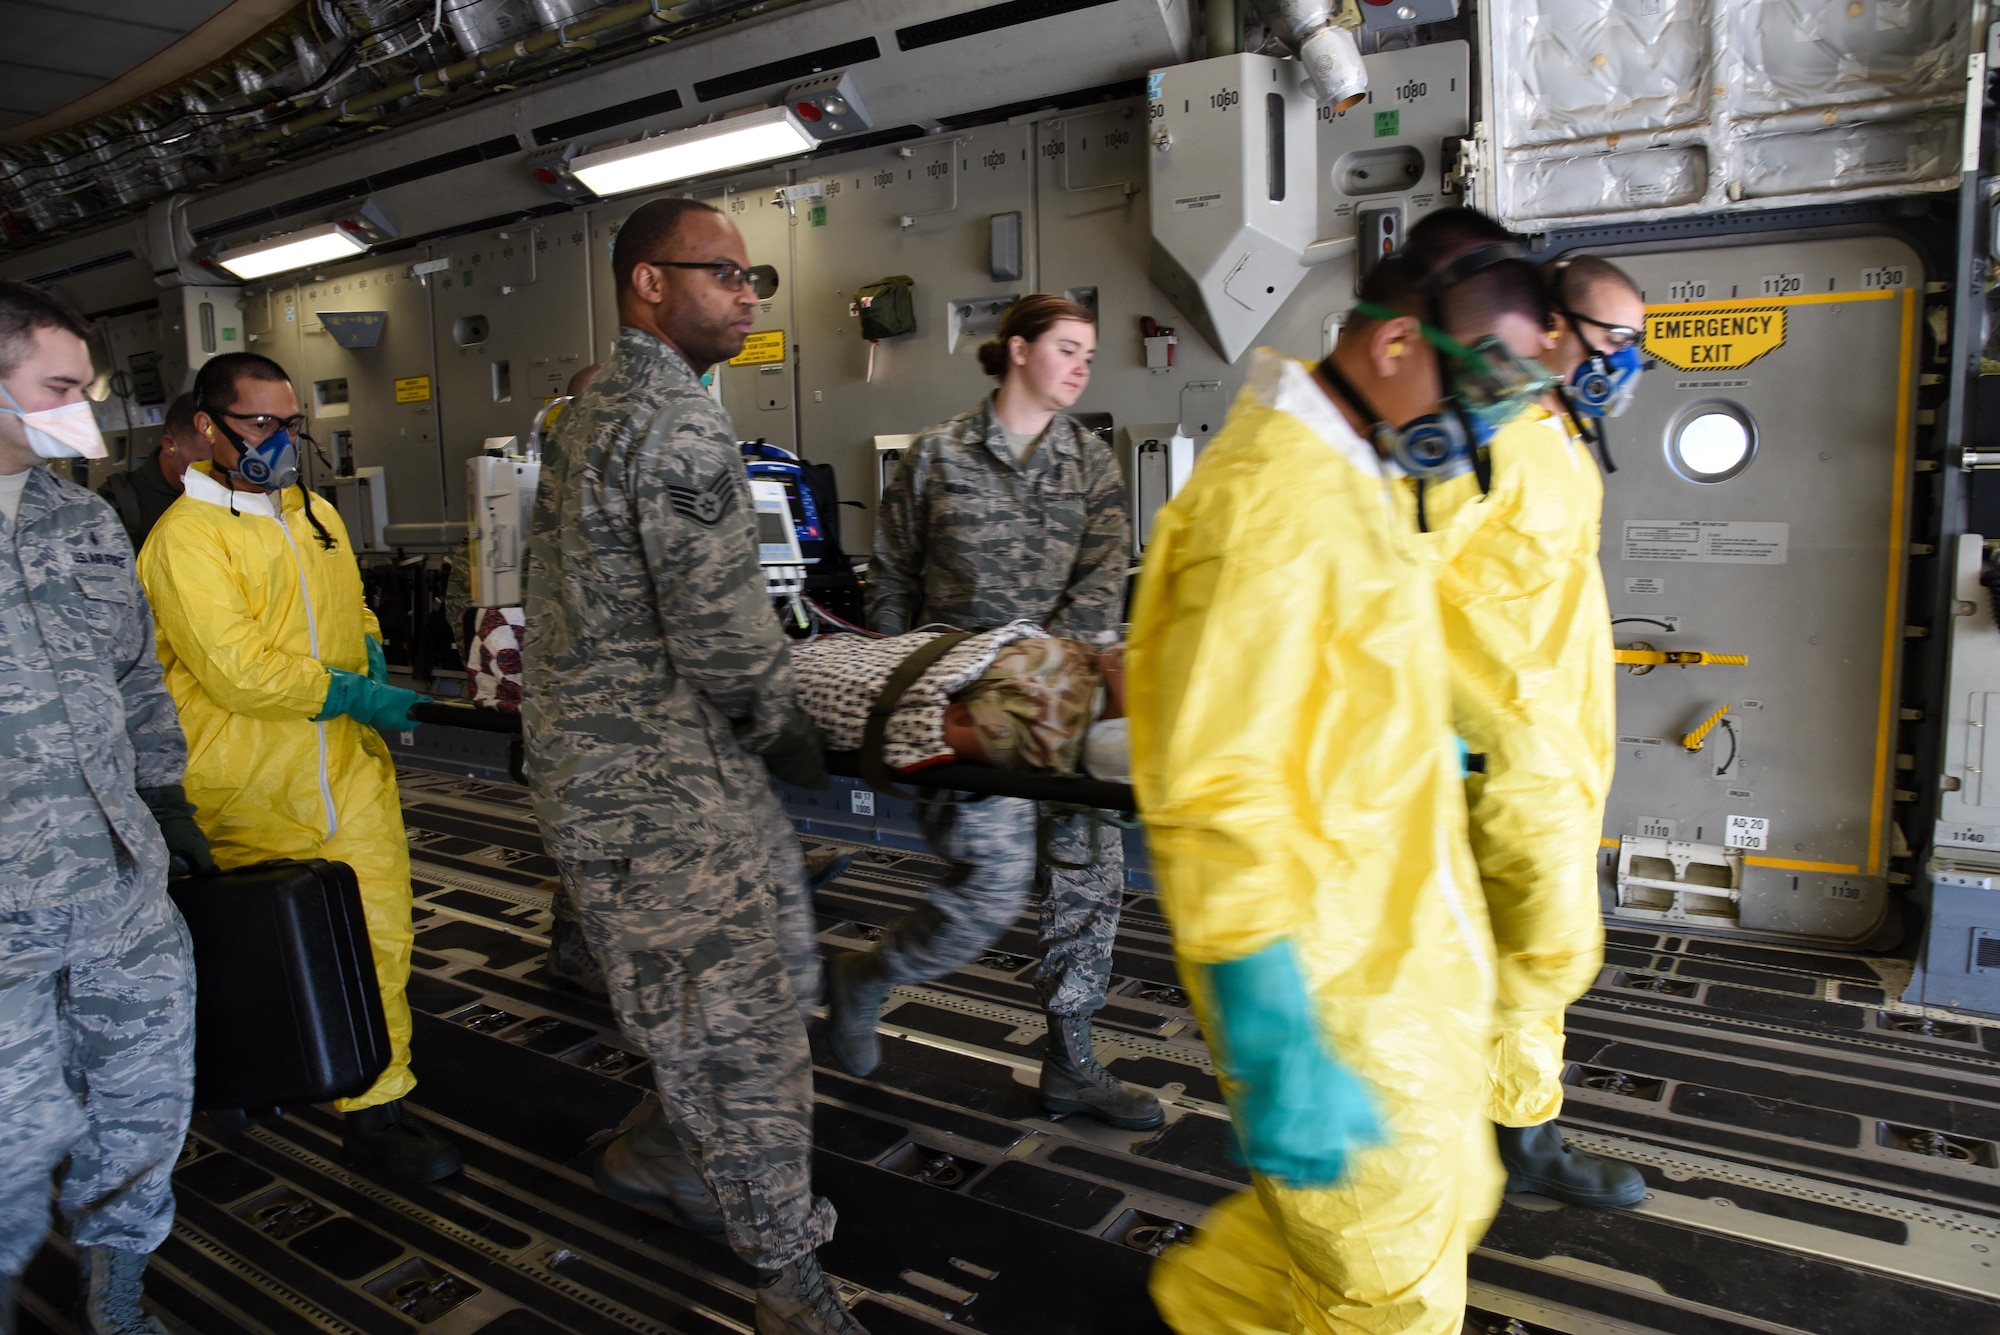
1010, 512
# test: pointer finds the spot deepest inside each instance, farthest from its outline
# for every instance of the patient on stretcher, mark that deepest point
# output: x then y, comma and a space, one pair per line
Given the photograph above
1013, 698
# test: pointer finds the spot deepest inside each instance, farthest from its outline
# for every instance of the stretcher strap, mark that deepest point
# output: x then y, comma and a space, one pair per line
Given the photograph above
874, 768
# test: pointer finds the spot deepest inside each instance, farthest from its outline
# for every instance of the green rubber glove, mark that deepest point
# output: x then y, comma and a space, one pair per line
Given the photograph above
798, 755
378, 662
1299, 1114
187, 846
369, 702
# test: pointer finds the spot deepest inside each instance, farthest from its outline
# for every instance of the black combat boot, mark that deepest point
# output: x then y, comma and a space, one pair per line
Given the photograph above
647, 1166
108, 1288
396, 1139
570, 961
1539, 1160
798, 1301
1072, 1081
855, 991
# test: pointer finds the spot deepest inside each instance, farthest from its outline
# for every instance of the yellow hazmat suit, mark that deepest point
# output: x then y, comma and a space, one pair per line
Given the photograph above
1529, 636
251, 613
1295, 765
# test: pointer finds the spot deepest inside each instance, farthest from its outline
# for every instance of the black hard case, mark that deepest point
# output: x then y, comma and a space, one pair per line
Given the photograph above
287, 1010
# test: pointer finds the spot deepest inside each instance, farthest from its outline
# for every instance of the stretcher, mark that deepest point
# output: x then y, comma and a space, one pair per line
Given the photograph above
961, 778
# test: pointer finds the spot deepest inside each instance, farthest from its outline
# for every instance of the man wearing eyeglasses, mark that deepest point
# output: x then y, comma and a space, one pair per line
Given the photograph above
660, 702
1528, 633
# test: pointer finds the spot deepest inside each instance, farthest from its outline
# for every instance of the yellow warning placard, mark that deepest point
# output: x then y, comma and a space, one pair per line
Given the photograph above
413, 389
1714, 336
762, 347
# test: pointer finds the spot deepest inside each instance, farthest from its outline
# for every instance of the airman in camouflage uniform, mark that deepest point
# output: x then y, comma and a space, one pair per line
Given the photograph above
96, 978
656, 679
968, 535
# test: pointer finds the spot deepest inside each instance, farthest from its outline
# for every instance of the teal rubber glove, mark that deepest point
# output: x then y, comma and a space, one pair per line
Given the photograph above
369, 702
378, 662
187, 846
1299, 1114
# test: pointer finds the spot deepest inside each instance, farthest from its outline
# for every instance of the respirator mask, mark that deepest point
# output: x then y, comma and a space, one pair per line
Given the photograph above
1484, 386
273, 462
68, 432
1604, 384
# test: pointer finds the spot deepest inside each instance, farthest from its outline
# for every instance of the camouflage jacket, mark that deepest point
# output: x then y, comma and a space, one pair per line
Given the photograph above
654, 664
85, 719
967, 536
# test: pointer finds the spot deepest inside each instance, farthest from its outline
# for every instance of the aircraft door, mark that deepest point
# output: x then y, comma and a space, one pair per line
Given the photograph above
1760, 513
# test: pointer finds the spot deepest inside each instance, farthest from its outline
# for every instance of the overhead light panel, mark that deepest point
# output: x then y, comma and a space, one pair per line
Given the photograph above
295, 250
740, 141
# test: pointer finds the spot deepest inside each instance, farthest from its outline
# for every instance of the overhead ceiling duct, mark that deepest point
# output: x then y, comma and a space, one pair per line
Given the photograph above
1321, 34
481, 25
555, 13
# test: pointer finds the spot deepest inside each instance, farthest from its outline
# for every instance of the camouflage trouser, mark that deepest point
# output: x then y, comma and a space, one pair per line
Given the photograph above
993, 843
96, 1066
710, 958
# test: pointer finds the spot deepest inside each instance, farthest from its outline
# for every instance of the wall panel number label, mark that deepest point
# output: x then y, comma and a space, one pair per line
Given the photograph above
1688, 289
1783, 284
1657, 827
861, 801
1893, 276
1751, 832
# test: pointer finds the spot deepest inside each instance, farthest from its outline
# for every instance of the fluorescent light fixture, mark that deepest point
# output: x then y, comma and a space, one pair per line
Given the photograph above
294, 250
761, 136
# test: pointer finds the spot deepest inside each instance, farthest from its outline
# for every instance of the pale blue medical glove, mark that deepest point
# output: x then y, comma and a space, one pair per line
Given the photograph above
370, 702
1299, 1114
378, 662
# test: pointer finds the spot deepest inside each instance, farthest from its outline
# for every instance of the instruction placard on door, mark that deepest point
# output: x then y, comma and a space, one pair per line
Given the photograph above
766, 345
1707, 541
413, 389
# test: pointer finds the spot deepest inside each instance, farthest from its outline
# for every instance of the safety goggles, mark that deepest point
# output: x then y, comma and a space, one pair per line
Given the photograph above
263, 424
1616, 336
1487, 376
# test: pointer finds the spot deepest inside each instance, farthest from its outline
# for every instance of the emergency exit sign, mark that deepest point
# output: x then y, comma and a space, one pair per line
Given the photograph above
1715, 336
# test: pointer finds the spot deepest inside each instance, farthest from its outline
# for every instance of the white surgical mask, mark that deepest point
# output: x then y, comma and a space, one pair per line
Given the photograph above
68, 432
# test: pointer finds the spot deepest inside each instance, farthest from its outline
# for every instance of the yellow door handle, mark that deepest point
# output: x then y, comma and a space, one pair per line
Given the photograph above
1694, 740
1643, 658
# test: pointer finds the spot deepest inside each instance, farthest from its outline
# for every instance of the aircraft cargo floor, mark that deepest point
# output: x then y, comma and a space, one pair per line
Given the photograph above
1822, 1159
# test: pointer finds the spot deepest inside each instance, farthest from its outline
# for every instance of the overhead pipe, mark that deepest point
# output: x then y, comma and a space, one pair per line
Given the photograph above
1321, 34
433, 82
1222, 23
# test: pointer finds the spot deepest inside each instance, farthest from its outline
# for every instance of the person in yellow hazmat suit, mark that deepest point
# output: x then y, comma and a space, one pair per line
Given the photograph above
1528, 632
1301, 786
277, 667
